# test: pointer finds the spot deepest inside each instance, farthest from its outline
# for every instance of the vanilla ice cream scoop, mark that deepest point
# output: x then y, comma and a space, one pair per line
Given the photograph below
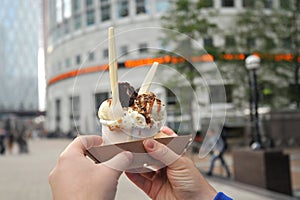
143, 116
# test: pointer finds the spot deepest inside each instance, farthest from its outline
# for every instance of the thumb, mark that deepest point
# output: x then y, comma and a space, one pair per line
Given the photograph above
162, 153
119, 163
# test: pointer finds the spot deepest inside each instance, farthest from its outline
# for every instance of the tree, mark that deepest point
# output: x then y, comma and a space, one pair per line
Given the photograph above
270, 33
188, 17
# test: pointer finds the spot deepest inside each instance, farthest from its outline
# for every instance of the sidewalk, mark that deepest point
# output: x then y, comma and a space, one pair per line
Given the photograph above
219, 174
26, 176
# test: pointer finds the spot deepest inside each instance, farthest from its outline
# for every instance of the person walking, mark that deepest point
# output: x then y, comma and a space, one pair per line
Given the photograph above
218, 151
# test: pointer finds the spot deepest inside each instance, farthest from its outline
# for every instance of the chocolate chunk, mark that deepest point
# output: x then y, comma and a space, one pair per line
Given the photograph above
127, 94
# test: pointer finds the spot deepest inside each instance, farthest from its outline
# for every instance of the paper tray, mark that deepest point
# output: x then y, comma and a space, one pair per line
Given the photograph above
141, 159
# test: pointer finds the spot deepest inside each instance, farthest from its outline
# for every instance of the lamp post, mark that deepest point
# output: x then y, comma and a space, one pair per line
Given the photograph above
252, 64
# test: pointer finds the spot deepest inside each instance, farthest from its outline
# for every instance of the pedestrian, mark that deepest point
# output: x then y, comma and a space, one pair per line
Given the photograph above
218, 151
9, 135
2, 141
76, 177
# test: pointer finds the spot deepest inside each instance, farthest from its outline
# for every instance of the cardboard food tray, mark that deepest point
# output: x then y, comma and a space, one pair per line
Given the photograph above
141, 159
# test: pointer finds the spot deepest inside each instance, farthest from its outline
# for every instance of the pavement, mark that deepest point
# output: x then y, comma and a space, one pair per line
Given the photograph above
25, 176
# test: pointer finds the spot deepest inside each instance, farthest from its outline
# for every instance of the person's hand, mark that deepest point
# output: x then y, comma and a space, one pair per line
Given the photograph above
179, 180
76, 177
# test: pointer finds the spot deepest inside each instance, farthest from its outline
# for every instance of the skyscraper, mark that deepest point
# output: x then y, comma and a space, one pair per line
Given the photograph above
19, 43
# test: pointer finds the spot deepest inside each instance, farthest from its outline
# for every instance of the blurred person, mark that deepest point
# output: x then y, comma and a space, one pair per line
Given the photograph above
9, 134
76, 177
22, 138
218, 150
2, 141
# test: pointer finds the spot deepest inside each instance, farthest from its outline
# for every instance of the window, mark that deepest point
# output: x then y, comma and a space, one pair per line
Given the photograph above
105, 53
77, 21
57, 114
90, 17
285, 4
217, 94
59, 13
140, 6
162, 5
66, 26
89, 3
248, 3
227, 3
229, 41
208, 42
268, 4
74, 112
76, 5
78, 59
287, 43
105, 10
124, 50
67, 9
171, 98
143, 48
123, 9
250, 42
91, 56
99, 98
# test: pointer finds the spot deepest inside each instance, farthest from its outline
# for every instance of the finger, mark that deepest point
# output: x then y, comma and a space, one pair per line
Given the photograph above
120, 162
168, 131
161, 152
81, 143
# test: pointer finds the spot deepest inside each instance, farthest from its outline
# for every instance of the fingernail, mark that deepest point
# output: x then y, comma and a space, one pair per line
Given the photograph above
150, 144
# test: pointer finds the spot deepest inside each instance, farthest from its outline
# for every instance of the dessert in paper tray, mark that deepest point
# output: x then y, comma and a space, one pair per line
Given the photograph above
129, 117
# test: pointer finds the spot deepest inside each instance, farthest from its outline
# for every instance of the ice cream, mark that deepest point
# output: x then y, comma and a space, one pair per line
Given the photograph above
143, 116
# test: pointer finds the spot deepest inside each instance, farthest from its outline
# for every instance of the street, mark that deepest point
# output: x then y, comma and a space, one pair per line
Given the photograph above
25, 176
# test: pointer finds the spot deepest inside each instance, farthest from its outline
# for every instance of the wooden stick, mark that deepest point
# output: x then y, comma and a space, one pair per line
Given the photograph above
116, 107
148, 79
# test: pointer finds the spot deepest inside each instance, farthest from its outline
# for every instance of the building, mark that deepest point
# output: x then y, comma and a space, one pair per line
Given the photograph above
77, 55
19, 40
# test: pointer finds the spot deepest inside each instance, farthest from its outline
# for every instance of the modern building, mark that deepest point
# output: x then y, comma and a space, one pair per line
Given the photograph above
77, 57
19, 41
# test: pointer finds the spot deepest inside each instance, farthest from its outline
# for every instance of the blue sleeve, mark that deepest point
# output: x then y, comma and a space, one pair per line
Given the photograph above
222, 196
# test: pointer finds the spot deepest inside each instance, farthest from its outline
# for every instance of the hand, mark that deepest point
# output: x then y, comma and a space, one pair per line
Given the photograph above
76, 177
179, 180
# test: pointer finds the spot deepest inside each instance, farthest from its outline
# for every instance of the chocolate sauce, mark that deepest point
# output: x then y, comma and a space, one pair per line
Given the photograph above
127, 94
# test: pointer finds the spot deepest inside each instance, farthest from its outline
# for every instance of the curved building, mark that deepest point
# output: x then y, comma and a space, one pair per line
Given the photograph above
77, 55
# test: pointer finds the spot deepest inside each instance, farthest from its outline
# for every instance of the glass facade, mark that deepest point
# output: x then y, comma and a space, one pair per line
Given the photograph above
20, 22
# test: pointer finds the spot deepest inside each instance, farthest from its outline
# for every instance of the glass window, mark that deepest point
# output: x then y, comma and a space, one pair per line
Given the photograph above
217, 93
124, 50
285, 4
67, 8
59, 11
143, 48
90, 17
268, 4
227, 3
76, 5
78, 59
248, 3
105, 53
208, 42
250, 42
287, 43
91, 56
229, 41
67, 26
162, 5
74, 112
57, 114
123, 9
77, 21
88, 3
105, 10
140, 6
99, 98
